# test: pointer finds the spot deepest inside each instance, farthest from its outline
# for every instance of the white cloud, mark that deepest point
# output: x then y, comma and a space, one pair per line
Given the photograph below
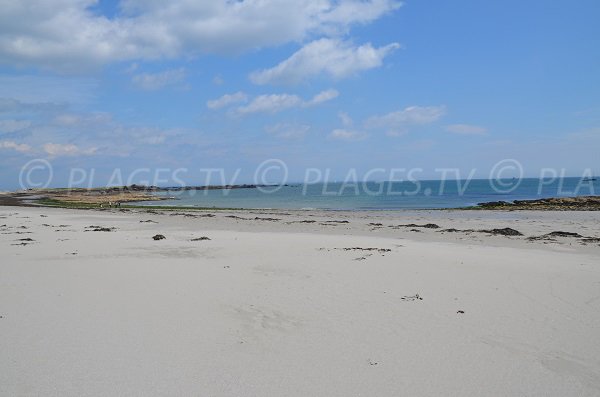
346, 119
19, 147
397, 123
288, 131
67, 119
8, 126
65, 34
347, 135
226, 100
274, 103
59, 150
147, 135
466, 129
59, 131
156, 81
80, 120
332, 57
323, 96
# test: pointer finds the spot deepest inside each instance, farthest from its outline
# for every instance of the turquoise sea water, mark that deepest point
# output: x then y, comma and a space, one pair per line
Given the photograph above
382, 195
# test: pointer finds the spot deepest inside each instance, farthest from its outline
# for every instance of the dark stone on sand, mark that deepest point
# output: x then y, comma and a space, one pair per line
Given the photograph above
203, 238
99, 229
415, 297
158, 237
460, 312
507, 231
267, 219
563, 234
413, 225
591, 239
545, 237
381, 250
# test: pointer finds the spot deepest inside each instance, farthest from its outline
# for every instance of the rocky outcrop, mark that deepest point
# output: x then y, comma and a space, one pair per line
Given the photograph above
582, 203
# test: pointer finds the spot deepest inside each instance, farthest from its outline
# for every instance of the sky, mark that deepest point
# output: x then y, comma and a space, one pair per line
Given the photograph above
335, 85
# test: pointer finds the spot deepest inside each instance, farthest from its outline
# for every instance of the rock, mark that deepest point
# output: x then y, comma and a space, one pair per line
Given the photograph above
99, 229
266, 219
563, 234
380, 250
581, 203
415, 297
413, 225
203, 238
591, 240
494, 204
158, 237
507, 231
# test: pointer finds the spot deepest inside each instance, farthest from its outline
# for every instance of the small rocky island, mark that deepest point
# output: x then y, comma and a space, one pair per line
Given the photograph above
581, 203
100, 197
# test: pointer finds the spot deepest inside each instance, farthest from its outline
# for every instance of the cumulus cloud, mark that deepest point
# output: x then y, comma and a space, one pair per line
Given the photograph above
466, 129
66, 34
156, 81
274, 103
398, 122
346, 135
226, 100
331, 57
19, 147
323, 96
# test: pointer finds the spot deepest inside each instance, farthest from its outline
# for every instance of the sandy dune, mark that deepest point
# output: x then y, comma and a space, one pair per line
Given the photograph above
282, 305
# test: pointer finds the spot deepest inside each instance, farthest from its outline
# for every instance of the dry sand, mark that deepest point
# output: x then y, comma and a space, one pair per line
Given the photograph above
282, 305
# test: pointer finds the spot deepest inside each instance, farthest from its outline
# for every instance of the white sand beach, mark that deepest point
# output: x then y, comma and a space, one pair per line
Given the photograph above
300, 303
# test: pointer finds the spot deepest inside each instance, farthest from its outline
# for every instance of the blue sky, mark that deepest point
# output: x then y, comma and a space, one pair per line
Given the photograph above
318, 84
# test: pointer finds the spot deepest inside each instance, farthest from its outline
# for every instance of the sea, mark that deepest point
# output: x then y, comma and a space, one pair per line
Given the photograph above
426, 194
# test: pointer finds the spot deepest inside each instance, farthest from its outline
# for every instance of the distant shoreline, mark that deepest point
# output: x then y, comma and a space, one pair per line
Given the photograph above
128, 196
